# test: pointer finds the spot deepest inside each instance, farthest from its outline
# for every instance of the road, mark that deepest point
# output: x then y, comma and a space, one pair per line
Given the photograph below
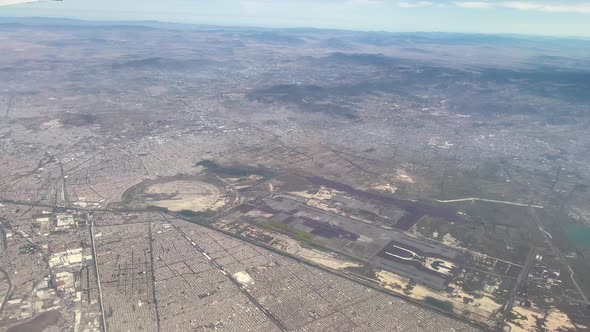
4, 239
353, 278
521, 277
473, 199
94, 258
9, 106
63, 199
549, 240
6, 274
154, 295
253, 300
8, 292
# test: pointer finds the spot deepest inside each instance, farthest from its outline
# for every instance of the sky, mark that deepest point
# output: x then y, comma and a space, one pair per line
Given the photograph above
535, 17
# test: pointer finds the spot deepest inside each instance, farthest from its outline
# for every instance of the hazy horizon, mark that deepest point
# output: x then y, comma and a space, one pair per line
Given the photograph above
540, 18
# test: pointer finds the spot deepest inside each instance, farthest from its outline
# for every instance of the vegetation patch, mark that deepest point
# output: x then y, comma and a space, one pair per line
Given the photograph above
234, 171
444, 305
284, 228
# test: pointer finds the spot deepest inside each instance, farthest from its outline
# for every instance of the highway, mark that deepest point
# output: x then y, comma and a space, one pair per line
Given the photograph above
8, 292
353, 278
549, 240
356, 278
521, 277
100, 302
473, 199
6, 275
253, 300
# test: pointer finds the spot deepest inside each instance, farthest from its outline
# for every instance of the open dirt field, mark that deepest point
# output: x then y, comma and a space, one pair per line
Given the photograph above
38, 323
187, 195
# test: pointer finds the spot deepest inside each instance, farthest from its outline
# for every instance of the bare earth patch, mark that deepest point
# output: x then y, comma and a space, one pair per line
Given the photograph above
55, 123
386, 187
558, 320
38, 324
326, 259
403, 176
188, 195
243, 278
481, 309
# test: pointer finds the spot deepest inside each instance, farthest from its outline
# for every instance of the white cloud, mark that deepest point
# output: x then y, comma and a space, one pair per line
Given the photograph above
365, 2
404, 4
548, 7
473, 4
554, 6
